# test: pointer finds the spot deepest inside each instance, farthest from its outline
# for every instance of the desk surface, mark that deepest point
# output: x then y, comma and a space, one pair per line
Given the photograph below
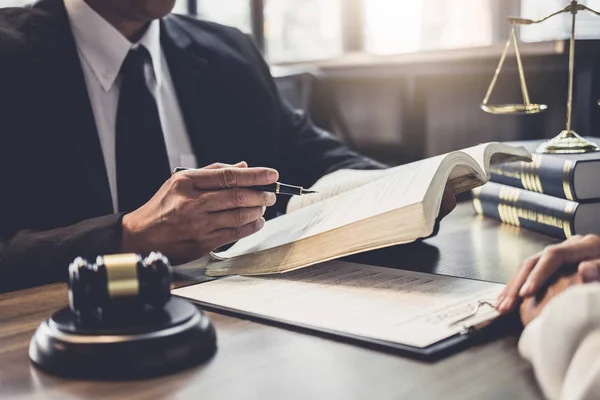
256, 361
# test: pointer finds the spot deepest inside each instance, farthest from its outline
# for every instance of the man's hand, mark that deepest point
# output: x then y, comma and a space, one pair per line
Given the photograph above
197, 211
536, 271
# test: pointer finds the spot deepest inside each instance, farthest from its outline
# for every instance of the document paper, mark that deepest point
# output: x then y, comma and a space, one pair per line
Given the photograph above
411, 308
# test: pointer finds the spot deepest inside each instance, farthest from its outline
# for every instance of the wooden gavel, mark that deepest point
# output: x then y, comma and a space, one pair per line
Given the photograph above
118, 285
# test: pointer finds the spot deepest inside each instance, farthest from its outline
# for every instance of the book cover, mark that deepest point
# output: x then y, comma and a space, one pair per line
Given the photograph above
568, 176
552, 216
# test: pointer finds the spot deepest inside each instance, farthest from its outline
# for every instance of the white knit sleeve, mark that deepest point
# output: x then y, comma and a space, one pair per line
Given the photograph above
563, 345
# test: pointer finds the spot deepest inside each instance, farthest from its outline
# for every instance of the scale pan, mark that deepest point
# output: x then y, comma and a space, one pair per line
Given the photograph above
512, 109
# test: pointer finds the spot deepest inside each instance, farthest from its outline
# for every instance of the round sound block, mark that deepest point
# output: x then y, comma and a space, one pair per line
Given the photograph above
154, 342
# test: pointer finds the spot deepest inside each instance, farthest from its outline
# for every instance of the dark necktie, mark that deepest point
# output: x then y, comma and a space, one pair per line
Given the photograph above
141, 155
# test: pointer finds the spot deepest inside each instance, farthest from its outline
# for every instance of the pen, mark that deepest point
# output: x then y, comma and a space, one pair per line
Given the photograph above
277, 187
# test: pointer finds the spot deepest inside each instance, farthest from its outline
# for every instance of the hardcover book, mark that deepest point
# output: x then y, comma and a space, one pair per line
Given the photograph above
552, 216
568, 176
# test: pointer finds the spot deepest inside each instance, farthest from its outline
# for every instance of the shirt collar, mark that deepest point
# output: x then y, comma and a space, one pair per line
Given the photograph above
104, 48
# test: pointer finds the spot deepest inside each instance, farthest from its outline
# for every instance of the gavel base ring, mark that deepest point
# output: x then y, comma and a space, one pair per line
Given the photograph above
152, 343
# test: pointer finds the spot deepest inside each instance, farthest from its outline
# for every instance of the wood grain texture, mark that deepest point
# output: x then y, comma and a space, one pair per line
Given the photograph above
256, 361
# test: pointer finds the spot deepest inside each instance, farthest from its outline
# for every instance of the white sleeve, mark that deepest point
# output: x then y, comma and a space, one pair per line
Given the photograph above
563, 345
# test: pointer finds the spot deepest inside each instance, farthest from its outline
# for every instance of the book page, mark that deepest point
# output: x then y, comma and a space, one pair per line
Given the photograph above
341, 181
386, 194
338, 182
496, 153
411, 308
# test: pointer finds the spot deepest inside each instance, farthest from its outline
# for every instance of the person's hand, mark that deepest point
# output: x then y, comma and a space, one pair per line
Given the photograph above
583, 251
218, 165
197, 211
532, 306
448, 202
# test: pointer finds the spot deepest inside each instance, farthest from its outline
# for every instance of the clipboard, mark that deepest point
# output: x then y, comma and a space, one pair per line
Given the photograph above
447, 347
469, 335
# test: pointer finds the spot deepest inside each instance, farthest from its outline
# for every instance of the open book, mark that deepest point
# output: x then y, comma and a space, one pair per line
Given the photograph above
356, 211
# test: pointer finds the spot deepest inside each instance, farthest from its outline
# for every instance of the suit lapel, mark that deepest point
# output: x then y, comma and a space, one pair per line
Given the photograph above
195, 87
73, 114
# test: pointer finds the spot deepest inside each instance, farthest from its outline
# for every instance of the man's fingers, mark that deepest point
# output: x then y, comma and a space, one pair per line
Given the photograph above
556, 256
241, 164
225, 178
590, 270
220, 200
229, 235
234, 218
508, 297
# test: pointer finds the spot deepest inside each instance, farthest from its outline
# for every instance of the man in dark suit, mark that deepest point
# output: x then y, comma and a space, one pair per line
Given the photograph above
100, 99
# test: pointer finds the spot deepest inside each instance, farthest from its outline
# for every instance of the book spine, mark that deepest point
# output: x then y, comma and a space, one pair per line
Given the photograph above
545, 214
545, 174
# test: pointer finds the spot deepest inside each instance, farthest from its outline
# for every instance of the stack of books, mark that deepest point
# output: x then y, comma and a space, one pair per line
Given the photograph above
555, 194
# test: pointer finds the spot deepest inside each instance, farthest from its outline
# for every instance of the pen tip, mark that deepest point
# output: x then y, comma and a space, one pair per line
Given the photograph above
304, 191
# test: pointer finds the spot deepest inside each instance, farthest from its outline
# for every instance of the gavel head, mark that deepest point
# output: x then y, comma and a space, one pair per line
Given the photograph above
118, 284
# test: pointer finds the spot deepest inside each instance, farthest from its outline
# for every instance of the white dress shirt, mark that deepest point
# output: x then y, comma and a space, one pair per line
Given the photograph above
563, 344
102, 50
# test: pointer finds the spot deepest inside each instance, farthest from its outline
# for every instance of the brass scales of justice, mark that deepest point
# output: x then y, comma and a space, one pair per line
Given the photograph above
568, 141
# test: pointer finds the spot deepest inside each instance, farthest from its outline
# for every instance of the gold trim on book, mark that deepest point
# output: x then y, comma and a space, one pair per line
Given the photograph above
507, 211
477, 206
567, 179
567, 228
529, 174
476, 202
501, 206
525, 175
515, 212
501, 213
537, 162
510, 214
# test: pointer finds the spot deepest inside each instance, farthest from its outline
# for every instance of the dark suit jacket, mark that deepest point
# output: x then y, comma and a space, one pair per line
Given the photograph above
55, 200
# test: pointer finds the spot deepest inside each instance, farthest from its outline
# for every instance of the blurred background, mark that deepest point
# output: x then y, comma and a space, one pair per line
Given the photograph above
403, 79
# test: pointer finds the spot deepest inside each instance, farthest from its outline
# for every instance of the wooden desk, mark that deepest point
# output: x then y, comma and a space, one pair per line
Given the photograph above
256, 361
